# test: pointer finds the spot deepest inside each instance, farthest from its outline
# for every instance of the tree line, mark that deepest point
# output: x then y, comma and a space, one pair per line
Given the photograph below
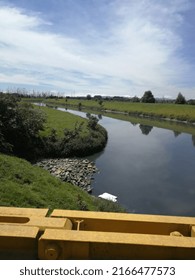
147, 97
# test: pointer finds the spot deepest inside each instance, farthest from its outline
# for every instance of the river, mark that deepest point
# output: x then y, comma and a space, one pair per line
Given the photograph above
149, 169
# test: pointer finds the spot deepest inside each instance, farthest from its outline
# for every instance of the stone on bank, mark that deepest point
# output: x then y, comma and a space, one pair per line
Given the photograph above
78, 172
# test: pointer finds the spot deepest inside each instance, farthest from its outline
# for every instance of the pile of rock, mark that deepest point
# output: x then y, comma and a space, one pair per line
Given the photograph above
78, 172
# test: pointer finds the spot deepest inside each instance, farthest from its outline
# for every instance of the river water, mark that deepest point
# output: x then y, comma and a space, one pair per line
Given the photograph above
150, 170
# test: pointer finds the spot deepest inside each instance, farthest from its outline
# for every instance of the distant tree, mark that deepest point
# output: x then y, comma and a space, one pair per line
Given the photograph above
180, 99
191, 102
148, 97
135, 99
88, 97
97, 97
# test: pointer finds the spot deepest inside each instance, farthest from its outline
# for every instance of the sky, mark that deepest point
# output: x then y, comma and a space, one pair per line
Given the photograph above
104, 47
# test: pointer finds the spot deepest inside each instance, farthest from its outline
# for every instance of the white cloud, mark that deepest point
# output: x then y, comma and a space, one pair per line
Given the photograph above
139, 48
18, 79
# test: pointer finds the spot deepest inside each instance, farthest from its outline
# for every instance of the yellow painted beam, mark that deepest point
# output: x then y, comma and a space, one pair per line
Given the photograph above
18, 242
112, 245
122, 216
16, 211
68, 234
41, 222
129, 223
193, 231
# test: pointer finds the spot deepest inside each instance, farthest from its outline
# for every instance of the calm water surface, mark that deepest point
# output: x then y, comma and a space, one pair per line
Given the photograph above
150, 170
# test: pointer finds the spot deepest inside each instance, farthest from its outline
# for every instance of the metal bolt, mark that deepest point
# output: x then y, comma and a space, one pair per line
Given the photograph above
52, 252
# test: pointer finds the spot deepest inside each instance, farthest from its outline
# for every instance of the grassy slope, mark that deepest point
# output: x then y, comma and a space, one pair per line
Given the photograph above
24, 185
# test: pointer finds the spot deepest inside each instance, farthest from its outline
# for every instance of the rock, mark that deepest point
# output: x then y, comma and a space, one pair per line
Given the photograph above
78, 172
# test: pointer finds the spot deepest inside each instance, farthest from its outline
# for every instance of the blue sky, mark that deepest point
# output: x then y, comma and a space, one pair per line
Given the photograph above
107, 47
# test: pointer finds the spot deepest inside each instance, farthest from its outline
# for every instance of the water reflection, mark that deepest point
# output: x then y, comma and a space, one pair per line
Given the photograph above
176, 133
153, 174
193, 140
145, 129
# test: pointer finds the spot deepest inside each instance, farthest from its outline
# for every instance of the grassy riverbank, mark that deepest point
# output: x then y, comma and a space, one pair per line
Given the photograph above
60, 121
69, 135
24, 185
175, 126
169, 110
157, 110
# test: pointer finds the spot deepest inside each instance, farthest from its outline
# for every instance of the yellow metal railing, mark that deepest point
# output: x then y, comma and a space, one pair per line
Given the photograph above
65, 234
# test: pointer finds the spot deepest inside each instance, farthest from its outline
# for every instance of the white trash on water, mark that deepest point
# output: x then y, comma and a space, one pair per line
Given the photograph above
108, 196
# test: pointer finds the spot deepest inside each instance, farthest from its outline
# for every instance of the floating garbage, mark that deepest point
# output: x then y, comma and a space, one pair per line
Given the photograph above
108, 196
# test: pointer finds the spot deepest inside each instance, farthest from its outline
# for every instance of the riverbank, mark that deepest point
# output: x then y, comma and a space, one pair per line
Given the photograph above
78, 172
66, 135
173, 112
178, 126
26, 185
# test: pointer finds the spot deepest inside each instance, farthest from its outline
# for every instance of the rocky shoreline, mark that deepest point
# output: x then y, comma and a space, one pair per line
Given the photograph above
78, 172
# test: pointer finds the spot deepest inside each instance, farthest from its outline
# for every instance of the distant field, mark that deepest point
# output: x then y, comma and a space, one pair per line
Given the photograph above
171, 111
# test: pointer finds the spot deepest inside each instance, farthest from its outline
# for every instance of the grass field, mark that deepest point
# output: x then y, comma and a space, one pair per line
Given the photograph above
24, 185
160, 110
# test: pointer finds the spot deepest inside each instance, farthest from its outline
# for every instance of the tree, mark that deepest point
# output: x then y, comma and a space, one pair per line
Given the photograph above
92, 122
148, 97
135, 99
88, 97
20, 124
180, 99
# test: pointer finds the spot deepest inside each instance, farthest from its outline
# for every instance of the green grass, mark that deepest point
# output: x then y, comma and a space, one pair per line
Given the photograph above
24, 185
60, 121
74, 135
172, 111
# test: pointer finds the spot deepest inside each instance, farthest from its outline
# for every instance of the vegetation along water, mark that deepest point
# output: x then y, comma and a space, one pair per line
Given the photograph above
150, 169
25, 132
